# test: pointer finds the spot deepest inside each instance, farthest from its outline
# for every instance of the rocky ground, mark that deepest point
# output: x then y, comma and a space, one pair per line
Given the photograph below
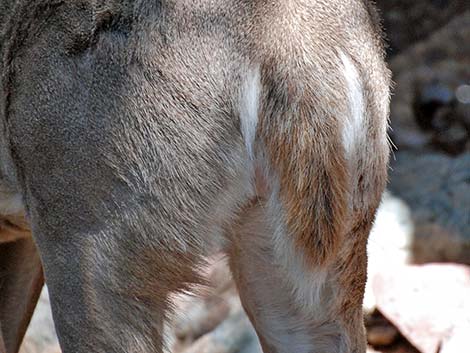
419, 251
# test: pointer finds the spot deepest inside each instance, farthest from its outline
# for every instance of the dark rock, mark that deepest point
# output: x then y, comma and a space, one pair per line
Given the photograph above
463, 110
452, 139
430, 108
437, 93
436, 188
429, 100
409, 21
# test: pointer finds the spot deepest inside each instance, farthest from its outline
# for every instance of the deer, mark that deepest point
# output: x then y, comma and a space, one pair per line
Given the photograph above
137, 137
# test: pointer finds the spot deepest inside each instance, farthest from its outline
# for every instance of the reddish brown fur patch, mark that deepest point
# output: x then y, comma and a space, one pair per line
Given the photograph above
302, 144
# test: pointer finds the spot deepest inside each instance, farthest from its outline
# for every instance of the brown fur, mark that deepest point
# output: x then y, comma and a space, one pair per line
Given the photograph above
314, 187
302, 113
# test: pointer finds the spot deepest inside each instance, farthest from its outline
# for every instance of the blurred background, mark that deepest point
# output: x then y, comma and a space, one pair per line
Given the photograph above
418, 292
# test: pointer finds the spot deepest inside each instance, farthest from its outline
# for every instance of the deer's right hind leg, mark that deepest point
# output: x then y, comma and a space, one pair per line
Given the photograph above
299, 251
296, 307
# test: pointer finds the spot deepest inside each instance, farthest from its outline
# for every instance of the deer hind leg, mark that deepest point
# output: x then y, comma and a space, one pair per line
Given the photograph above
299, 249
111, 280
112, 275
119, 234
294, 306
110, 295
128, 175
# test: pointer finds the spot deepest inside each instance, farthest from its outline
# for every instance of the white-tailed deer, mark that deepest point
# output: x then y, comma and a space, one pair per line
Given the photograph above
142, 135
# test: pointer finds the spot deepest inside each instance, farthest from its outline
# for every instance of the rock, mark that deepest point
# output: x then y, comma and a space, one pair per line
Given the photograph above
444, 44
28, 347
436, 189
437, 93
234, 335
204, 320
437, 109
54, 348
201, 313
390, 239
389, 242
453, 139
428, 304
200, 316
409, 21
430, 108
457, 341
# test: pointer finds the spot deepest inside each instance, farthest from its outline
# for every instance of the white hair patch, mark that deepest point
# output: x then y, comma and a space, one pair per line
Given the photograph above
249, 106
354, 124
